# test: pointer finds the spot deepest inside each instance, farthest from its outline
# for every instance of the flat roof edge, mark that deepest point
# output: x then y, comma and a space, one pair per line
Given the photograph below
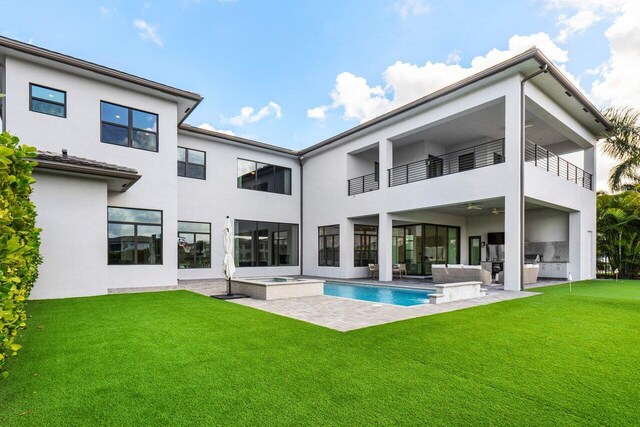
232, 138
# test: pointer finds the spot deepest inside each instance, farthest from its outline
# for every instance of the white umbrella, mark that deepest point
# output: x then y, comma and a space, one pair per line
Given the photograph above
228, 264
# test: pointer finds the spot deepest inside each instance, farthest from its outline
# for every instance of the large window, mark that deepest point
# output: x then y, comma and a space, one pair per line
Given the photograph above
263, 244
128, 127
365, 245
194, 244
47, 100
263, 177
329, 246
135, 236
192, 163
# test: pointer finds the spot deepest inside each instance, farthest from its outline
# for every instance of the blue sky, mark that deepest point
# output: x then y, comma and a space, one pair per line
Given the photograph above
284, 56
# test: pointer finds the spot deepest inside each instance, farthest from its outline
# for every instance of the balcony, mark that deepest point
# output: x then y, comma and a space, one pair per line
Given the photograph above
545, 159
364, 184
478, 156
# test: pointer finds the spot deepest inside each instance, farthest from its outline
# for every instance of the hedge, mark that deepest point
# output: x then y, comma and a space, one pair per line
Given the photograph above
19, 242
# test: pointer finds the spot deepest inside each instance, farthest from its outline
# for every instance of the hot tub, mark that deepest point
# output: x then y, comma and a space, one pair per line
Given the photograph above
270, 288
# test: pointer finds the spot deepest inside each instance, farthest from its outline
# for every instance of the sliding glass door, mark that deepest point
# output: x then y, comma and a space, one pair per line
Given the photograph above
421, 245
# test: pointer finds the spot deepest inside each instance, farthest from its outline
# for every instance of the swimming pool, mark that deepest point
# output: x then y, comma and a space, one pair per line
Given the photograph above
386, 295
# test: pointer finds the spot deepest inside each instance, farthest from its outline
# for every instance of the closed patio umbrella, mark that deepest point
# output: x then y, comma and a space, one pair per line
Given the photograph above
228, 264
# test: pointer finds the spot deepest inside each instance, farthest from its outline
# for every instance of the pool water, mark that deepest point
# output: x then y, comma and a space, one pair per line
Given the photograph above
386, 295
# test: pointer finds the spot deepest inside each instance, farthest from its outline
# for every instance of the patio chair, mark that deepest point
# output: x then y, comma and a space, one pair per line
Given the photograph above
400, 270
374, 270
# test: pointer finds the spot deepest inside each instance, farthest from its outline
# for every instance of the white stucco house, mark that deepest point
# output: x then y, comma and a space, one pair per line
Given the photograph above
129, 195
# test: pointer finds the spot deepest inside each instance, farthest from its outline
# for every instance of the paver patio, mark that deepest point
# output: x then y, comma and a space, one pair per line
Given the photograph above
343, 314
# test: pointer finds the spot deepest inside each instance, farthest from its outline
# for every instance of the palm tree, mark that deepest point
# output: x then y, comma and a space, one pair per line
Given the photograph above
623, 144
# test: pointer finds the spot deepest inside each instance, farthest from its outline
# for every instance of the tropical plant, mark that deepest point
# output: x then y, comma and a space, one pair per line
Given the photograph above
618, 235
19, 241
623, 144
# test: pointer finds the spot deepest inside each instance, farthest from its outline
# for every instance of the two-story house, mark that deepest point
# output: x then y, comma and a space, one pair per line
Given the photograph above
128, 195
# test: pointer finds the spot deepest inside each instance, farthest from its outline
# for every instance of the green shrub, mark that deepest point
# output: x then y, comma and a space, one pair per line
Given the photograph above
19, 241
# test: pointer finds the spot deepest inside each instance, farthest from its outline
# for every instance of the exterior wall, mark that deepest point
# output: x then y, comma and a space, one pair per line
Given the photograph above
211, 200
79, 133
322, 189
325, 198
546, 225
73, 217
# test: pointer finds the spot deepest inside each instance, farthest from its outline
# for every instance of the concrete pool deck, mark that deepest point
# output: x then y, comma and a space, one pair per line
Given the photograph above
342, 314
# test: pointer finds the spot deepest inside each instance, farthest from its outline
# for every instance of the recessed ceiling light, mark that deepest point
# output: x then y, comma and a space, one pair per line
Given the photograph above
50, 95
117, 116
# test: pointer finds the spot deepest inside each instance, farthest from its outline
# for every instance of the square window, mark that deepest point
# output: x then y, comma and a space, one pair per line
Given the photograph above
128, 127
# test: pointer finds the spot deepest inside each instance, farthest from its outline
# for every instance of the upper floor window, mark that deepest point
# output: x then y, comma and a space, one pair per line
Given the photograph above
264, 177
135, 236
192, 163
47, 100
128, 127
194, 244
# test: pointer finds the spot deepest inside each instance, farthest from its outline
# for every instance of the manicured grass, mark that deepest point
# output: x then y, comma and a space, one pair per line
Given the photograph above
178, 358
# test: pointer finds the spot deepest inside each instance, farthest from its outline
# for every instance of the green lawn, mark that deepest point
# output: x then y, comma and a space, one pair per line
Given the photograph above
178, 358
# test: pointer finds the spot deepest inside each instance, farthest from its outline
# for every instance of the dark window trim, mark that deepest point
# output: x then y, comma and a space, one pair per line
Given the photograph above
31, 98
254, 250
194, 233
135, 258
333, 250
368, 251
274, 172
130, 128
425, 224
186, 161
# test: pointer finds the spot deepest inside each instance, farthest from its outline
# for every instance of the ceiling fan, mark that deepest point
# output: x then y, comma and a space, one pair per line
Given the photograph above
473, 206
496, 211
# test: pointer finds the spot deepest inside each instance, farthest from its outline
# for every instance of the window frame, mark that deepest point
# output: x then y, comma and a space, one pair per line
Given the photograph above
130, 128
186, 162
274, 166
31, 98
135, 224
323, 238
255, 248
194, 240
368, 251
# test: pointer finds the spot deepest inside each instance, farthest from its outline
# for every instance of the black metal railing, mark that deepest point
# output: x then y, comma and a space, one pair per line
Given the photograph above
363, 184
478, 156
545, 159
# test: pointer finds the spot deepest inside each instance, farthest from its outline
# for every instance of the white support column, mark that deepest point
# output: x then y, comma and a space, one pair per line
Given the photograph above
385, 249
346, 248
512, 209
385, 152
575, 245
590, 165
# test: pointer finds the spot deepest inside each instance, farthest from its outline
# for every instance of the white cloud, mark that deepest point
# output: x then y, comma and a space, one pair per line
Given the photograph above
106, 11
617, 81
404, 82
318, 113
210, 127
148, 31
249, 115
408, 8
577, 23
453, 57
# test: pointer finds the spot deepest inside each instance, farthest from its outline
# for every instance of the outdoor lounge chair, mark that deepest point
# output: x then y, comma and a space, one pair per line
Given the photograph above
400, 270
374, 270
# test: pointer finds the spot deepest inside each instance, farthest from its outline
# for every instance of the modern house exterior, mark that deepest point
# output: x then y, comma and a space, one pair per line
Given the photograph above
129, 195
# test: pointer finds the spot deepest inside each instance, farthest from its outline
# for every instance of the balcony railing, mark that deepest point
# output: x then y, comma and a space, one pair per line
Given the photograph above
478, 156
554, 164
363, 184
